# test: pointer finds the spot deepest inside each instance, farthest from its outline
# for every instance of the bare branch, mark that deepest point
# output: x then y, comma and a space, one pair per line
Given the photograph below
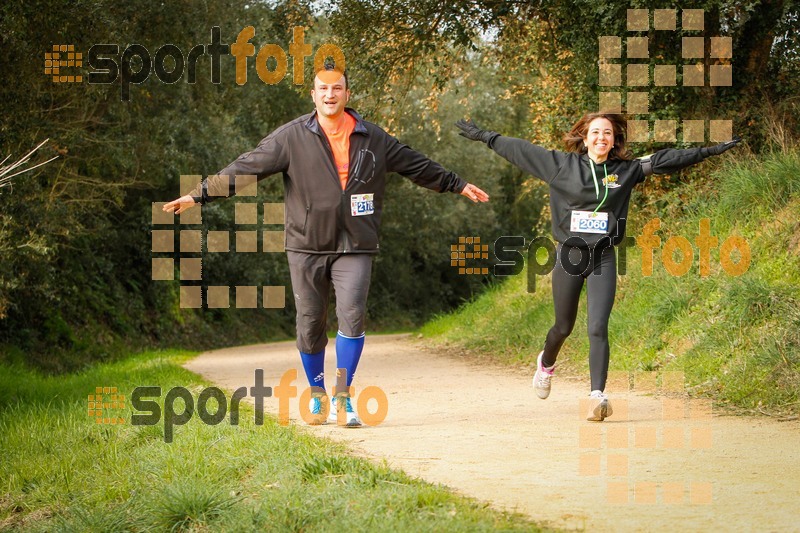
5, 171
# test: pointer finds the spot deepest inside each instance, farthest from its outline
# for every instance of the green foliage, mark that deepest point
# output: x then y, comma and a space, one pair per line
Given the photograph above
766, 185
75, 278
548, 52
189, 505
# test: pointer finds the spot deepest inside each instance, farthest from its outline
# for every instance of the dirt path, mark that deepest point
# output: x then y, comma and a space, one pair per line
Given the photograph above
657, 464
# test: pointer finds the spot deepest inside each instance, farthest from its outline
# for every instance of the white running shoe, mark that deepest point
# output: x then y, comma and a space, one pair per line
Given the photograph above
317, 409
599, 408
541, 379
352, 418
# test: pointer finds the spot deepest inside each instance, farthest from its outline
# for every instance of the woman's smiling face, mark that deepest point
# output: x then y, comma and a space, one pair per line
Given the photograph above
599, 139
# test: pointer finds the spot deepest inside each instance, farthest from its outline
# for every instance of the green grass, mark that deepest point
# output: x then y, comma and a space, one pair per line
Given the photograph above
60, 471
736, 337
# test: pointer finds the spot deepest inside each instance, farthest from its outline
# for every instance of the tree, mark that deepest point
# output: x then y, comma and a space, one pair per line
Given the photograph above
78, 273
548, 51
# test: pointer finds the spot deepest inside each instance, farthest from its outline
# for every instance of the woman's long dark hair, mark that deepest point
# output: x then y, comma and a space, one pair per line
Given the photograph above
574, 139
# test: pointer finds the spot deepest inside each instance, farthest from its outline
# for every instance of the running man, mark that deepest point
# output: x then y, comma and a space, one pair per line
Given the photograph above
334, 166
590, 188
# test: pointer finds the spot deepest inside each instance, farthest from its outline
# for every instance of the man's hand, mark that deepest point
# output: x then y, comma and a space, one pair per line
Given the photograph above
723, 147
180, 205
474, 193
472, 132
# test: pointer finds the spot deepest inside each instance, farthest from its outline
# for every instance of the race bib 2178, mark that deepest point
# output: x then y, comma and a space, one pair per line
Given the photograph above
362, 204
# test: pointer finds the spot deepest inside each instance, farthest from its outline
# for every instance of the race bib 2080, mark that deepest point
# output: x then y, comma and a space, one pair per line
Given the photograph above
362, 204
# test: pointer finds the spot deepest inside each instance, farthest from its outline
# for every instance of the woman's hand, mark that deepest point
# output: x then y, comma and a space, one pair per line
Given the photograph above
724, 147
471, 131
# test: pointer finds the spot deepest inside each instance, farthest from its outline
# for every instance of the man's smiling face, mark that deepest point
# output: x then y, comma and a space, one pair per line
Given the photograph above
330, 93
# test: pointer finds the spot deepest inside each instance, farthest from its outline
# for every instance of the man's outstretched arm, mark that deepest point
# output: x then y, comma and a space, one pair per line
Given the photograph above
428, 173
265, 159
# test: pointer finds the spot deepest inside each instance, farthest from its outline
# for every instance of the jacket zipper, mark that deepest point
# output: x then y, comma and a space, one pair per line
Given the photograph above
351, 173
343, 208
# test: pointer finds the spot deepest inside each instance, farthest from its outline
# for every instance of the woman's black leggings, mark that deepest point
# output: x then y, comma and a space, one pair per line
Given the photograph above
573, 265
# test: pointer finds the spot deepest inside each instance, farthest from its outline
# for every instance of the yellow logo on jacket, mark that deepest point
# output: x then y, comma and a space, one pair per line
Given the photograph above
612, 181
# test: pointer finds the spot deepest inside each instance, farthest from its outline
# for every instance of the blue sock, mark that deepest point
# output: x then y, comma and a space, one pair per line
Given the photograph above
348, 352
314, 365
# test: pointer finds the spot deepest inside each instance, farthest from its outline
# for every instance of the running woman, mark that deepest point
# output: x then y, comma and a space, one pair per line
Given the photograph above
590, 188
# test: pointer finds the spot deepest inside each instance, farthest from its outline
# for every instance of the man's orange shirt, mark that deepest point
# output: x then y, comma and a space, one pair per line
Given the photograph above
340, 144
